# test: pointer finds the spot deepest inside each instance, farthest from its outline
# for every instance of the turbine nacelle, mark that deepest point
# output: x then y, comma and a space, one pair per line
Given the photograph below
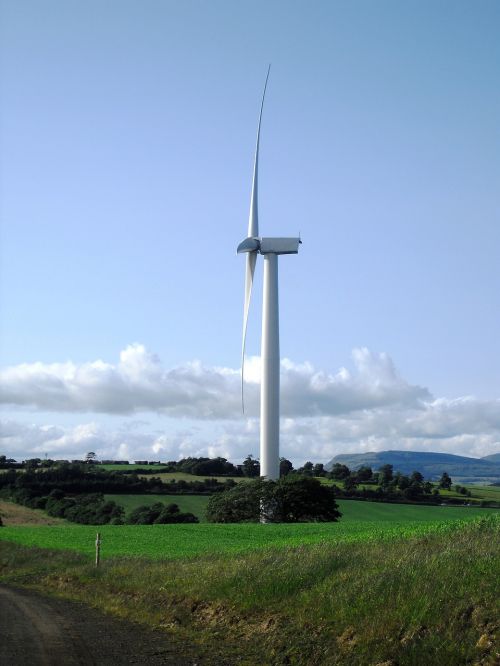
270, 245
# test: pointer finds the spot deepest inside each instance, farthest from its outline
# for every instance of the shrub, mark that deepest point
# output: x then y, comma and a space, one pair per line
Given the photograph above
292, 499
160, 513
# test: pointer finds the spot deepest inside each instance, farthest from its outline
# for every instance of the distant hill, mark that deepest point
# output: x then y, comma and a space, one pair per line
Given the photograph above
431, 465
495, 457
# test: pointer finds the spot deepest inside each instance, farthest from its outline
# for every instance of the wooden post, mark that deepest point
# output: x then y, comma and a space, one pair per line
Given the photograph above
98, 549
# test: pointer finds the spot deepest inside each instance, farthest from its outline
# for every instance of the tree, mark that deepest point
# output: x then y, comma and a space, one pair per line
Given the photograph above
364, 474
350, 483
293, 498
210, 467
285, 467
402, 481
319, 470
306, 469
413, 492
90, 458
32, 463
445, 481
385, 475
416, 477
339, 472
238, 505
250, 466
160, 513
302, 499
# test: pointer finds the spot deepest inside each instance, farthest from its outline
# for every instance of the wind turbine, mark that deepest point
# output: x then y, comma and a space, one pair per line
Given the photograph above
270, 249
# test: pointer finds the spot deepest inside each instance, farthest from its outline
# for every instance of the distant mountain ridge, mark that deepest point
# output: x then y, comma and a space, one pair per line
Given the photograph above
431, 465
494, 457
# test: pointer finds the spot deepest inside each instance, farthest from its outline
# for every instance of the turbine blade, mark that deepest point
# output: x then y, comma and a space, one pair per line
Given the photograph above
253, 221
250, 270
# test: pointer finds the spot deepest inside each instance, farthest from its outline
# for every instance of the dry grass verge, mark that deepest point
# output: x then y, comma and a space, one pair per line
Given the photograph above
17, 515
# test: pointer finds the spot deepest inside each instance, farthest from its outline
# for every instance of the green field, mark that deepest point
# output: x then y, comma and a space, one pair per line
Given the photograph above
135, 468
183, 476
351, 509
488, 493
191, 503
157, 470
352, 594
479, 492
361, 521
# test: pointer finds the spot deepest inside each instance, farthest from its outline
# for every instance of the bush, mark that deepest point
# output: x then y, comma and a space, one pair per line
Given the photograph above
240, 504
159, 513
88, 509
292, 499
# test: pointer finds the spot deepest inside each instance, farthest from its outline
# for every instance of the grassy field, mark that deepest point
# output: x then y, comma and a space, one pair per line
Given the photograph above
192, 503
121, 468
183, 476
363, 521
164, 476
479, 492
418, 594
488, 493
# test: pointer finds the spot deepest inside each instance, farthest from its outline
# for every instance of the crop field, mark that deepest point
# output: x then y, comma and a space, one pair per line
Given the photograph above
181, 541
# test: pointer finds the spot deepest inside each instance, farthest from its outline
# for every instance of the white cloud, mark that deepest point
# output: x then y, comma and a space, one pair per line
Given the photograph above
139, 383
20, 440
369, 408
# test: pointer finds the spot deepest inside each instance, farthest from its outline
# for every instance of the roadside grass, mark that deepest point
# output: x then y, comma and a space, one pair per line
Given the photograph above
427, 595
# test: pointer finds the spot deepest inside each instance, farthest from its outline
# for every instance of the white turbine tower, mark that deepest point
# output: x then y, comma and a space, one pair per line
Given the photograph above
270, 248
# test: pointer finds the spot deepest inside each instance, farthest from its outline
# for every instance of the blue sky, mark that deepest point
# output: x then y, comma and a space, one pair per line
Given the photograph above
127, 137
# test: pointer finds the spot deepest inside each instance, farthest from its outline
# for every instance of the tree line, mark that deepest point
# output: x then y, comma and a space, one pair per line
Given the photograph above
75, 492
388, 485
77, 478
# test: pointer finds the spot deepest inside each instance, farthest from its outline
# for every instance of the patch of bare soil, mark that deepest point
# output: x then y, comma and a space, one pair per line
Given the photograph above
15, 514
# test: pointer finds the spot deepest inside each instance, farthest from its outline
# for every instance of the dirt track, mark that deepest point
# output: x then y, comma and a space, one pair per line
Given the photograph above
45, 631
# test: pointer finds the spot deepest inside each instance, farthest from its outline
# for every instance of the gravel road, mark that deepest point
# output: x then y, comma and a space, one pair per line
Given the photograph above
46, 631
